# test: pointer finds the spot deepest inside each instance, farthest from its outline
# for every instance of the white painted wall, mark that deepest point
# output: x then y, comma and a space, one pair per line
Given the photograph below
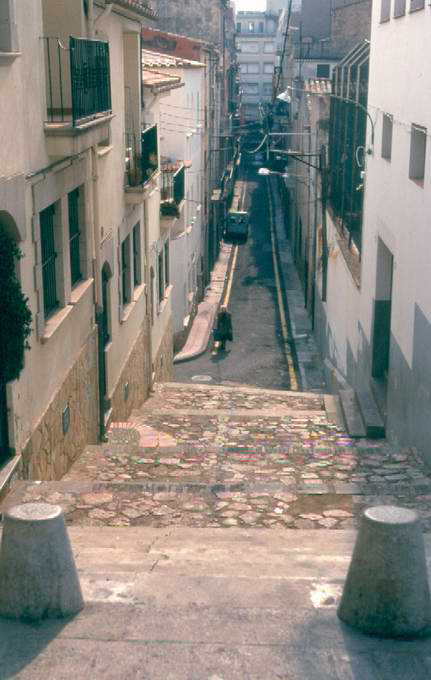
397, 209
183, 138
23, 149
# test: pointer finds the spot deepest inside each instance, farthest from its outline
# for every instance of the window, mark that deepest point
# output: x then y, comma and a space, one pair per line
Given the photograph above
161, 286
250, 26
418, 145
250, 88
269, 47
323, 71
49, 255
125, 271
8, 29
136, 237
416, 4
387, 136
74, 238
249, 47
166, 251
385, 10
268, 67
399, 8
252, 68
267, 88
238, 27
150, 156
261, 26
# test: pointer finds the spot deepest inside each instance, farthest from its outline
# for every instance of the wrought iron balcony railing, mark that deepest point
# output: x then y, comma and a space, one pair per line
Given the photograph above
78, 84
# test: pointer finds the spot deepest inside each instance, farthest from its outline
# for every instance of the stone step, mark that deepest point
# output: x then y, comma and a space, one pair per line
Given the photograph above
252, 503
374, 425
352, 415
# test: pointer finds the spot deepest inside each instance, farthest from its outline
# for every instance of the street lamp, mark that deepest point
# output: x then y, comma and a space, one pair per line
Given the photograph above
266, 171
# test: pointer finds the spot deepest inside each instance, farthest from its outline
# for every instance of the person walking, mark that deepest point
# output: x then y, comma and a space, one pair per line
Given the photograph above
223, 330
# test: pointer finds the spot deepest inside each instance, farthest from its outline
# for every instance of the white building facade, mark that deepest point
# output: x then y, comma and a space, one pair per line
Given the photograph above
256, 45
81, 217
394, 329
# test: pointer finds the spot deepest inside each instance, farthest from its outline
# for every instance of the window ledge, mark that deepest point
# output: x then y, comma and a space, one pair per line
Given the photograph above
166, 297
138, 292
8, 57
54, 322
127, 310
79, 290
104, 150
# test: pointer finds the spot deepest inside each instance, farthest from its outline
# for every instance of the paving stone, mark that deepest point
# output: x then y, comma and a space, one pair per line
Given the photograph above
235, 453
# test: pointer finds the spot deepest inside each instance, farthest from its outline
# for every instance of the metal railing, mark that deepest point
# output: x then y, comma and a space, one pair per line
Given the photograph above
78, 81
141, 156
173, 185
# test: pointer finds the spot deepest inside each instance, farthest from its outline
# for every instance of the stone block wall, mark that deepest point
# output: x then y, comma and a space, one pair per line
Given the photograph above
133, 385
351, 23
50, 451
163, 362
193, 18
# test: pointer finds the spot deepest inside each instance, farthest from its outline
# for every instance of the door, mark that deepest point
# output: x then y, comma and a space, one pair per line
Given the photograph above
4, 433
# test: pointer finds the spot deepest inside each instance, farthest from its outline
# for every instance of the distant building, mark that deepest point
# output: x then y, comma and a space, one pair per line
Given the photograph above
256, 44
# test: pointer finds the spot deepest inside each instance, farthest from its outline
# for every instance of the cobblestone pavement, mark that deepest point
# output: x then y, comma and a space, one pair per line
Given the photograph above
222, 457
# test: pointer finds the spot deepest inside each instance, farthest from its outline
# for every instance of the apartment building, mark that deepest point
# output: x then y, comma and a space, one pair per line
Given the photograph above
81, 217
182, 144
373, 307
256, 45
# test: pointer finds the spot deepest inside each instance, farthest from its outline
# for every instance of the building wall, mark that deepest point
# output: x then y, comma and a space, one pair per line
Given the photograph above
257, 51
54, 405
351, 22
399, 84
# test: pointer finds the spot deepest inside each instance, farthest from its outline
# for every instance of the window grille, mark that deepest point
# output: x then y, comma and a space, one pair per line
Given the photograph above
74, 237
49, 279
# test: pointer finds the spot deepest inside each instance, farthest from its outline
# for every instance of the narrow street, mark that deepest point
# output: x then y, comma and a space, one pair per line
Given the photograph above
257, 356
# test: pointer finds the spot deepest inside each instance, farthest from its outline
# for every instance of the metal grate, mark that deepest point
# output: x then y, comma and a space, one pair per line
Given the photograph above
74, 237
90, 78
50, 302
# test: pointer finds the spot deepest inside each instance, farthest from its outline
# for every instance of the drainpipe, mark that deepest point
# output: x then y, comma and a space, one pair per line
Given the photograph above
91, 18
106, 11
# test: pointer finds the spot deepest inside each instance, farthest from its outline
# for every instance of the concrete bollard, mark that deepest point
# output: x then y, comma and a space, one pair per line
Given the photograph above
386, 592
38, 576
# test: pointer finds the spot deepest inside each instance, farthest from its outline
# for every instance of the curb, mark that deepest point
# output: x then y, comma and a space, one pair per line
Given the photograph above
181, 357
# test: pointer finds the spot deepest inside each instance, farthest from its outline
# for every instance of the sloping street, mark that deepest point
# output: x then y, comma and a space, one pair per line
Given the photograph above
264, 297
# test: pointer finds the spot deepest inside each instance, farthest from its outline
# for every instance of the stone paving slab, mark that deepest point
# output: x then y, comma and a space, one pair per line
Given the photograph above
182, 466
177, 395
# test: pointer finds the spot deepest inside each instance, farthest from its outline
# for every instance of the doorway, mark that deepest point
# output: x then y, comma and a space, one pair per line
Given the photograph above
382, 318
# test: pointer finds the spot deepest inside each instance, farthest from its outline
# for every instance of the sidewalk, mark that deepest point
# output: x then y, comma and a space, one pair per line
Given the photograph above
208, 604
198, 338
308, 357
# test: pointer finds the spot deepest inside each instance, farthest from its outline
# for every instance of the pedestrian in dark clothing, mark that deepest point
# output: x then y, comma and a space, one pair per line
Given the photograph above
223, 330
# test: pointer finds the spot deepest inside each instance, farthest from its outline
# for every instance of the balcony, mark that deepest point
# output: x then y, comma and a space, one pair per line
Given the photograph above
172, 195
142, 163
78, 94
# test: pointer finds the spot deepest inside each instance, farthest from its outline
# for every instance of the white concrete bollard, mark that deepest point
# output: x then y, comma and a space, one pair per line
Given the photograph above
386, 592
38, 576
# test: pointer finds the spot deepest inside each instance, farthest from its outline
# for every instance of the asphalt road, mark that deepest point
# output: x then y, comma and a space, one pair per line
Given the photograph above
255, 357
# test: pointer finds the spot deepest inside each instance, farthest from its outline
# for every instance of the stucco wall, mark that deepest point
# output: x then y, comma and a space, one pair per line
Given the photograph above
50, 452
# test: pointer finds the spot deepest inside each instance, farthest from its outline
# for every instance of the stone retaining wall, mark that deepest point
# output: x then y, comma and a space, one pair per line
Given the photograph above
70, 422
133, 385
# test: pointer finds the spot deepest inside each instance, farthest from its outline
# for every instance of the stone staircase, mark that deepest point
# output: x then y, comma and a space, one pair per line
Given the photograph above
203, 456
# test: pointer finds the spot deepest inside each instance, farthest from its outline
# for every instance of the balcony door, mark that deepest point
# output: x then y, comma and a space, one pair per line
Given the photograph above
4, 434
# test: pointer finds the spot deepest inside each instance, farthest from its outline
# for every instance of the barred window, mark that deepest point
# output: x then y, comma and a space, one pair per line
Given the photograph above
74, 237
49, 255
